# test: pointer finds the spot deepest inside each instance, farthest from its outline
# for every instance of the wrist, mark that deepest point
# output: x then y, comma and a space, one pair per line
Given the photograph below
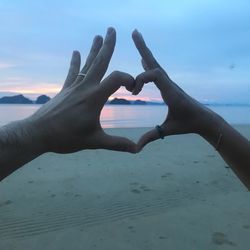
24, 134
212, 128
19, 144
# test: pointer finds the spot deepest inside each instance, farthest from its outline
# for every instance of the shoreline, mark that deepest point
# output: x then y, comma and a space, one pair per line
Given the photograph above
135, 116
177, 193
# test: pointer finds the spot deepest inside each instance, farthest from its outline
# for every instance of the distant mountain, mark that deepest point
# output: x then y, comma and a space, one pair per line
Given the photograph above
155, 103
139, 102
42, 99
17, 99
120, 101
227, 104
8, 93
20, 99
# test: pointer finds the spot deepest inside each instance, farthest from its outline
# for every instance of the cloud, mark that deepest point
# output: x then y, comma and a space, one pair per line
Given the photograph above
25, 85
195, 41
4, 65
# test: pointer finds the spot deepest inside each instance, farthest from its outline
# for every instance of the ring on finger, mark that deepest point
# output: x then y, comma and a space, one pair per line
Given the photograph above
160, 131
81, 74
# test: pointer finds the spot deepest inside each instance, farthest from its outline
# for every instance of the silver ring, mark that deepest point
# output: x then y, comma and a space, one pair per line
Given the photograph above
81, 74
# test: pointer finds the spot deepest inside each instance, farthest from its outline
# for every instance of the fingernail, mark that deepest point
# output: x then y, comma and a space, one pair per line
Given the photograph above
110, 31
75, 53
136, 30
97, 38
138, 33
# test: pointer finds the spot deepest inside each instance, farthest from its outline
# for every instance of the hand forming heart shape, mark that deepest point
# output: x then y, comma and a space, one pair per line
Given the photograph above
71, 120
185, 114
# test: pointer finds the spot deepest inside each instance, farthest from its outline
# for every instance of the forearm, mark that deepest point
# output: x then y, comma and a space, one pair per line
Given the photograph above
19, 144
231, 145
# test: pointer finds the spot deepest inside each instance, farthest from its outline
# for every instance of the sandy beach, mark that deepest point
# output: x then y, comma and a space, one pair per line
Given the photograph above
176, 194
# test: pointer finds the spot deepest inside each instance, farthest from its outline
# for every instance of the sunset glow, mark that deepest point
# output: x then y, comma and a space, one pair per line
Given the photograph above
202, 48
39, 89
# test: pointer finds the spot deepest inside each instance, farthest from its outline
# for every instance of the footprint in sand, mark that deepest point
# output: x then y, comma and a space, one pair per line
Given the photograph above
246, 226
136, 191
6, 203
138, 188
210, 156
162, 237
131, 229
167, 175
219, 238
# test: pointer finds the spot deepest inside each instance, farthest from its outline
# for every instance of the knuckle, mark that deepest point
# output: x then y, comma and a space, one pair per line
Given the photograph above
158, 71
116, 74
139, 78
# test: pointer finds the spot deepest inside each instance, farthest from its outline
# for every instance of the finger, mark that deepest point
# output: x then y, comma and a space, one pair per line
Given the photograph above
148, 137
95, 48
101, 62
144, 51
154, 75
112, 83
144, 65
73, 69
167, 128
149, 62
116, 143
155, 134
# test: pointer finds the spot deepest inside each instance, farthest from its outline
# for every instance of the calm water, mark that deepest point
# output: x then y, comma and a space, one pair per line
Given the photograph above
118, 116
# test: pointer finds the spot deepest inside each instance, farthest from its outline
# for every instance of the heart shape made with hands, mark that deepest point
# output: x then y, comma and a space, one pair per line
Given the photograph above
88, 88
146, 114
157, 132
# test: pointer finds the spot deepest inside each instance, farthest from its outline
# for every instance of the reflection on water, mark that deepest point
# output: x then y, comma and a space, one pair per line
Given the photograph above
12, 112
117, 116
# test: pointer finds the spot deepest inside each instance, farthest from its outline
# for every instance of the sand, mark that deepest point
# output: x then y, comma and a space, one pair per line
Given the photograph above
177, 194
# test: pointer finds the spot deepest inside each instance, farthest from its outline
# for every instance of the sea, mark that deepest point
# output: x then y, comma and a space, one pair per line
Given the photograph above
129, 116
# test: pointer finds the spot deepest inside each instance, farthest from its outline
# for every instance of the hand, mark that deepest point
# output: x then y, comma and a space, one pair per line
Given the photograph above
185, 114
71, 120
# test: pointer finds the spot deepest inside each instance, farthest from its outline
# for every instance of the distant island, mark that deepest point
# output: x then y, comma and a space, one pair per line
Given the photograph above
122, 101
42, 99
119, 101
20, 99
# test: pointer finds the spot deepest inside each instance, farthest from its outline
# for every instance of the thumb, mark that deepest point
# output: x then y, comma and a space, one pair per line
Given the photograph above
116, 143
148, 137
154, 134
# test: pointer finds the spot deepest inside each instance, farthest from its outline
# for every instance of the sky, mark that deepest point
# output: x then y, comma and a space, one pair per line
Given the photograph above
203, 45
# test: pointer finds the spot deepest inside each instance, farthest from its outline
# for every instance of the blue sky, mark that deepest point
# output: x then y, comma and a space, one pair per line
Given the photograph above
203, 45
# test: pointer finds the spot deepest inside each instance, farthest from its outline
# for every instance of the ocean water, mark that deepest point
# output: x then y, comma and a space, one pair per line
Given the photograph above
127, 116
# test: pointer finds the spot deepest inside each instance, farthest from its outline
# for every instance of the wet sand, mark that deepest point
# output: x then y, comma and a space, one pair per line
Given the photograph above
177, 194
